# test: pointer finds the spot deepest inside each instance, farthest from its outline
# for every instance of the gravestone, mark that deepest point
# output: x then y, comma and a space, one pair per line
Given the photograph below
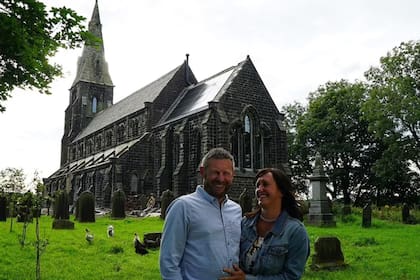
328, 254
245, 201
405, 213
3, 208
367, 216
320, 213
166, 199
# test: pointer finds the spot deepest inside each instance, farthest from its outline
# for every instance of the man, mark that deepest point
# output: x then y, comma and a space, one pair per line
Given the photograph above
202, 230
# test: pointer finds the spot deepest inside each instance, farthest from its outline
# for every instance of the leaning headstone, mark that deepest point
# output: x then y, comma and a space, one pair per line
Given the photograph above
320, 213
405, 213
367, 216
245, 201
166, 199
328, 254
3, 208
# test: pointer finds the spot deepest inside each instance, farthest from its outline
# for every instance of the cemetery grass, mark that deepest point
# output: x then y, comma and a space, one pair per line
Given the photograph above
387, 250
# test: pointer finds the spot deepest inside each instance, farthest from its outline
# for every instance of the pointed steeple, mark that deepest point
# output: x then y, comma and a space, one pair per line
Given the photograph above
91, 66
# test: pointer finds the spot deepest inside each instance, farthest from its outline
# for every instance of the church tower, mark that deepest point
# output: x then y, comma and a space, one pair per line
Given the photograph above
92, 90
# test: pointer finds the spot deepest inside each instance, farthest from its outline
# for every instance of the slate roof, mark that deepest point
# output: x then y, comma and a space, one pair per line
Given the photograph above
101, 158
196, 98
128, 105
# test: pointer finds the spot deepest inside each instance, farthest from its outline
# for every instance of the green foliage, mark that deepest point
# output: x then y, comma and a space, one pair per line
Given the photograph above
12, 179
86, 207
29, 36
118, 204
393, 105
332, 125
298, 152
61, 205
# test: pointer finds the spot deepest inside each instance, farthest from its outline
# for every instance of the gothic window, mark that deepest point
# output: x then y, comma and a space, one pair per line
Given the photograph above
73, 153
235, 140
121, 133
175, 150
134, 127
247, 142
99, 142
81, 150
108, 138
89, 147
94, 104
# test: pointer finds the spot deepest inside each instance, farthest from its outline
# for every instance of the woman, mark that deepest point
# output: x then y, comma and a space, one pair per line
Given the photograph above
274, 242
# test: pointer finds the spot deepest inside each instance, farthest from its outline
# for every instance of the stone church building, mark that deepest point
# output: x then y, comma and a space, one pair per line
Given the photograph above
154, 139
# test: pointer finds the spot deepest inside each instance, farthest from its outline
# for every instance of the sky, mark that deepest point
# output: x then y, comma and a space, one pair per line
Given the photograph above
295, 45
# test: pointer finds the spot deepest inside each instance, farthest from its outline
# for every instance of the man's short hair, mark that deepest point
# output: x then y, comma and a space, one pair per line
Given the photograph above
216, 153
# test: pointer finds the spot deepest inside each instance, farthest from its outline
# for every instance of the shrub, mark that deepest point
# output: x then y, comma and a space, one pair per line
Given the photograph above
118, 204
86, 207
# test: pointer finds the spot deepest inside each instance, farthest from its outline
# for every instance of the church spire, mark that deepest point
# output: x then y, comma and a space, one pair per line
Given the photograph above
91, 66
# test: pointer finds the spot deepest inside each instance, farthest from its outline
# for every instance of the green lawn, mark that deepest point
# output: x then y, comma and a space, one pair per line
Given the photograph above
384, 251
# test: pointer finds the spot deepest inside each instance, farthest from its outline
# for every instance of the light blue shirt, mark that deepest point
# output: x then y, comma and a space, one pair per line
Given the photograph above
200, 237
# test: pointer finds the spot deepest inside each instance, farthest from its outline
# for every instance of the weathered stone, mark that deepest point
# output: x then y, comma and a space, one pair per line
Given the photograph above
367, 216
166, 199
328, 254
405, 213
320, 213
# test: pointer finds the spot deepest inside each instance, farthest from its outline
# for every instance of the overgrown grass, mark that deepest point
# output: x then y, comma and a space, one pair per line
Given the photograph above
387, 250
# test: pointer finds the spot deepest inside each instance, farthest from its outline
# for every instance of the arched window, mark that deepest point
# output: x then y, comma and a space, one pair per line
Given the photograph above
108, 138
234, 141
248, 142
99, 142
176, 150
94, 104
134, 127
121, 133
89, 147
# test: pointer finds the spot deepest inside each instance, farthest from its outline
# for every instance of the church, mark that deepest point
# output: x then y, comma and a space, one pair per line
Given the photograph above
154, 139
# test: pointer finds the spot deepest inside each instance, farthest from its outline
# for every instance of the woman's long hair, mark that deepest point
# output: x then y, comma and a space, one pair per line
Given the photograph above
284, 184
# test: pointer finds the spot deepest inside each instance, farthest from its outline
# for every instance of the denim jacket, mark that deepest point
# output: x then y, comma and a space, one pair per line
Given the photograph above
283, 253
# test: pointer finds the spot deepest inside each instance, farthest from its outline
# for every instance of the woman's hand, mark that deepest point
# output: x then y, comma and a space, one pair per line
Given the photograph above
235, 273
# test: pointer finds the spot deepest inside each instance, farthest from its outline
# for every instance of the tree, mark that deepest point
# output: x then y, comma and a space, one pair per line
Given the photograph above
297, 153
333, 127
29, 36
12, 181
393, 105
